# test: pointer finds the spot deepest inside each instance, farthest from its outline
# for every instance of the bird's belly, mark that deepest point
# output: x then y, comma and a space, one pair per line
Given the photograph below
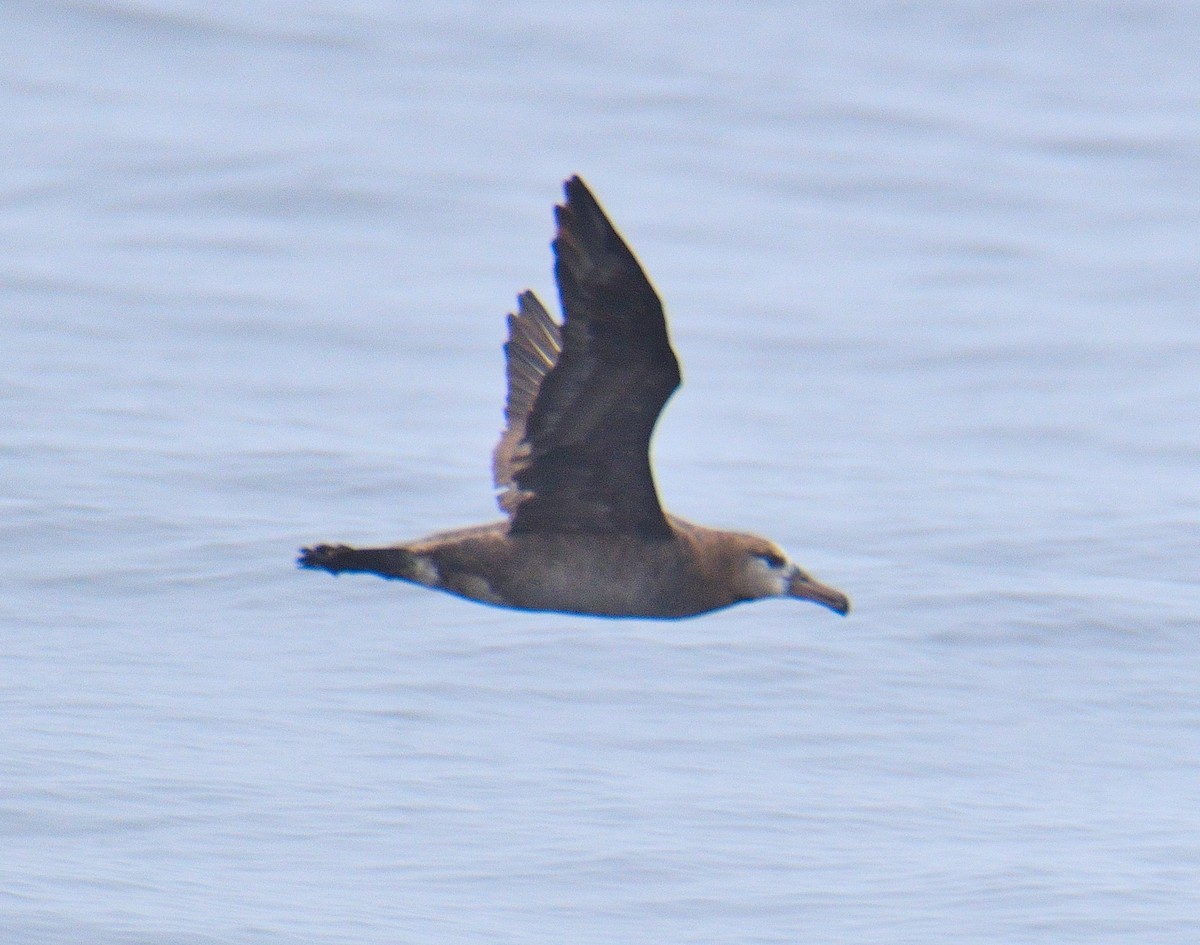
591, 582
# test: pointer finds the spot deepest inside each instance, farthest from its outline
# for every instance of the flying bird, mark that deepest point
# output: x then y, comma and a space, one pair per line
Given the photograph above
585, 532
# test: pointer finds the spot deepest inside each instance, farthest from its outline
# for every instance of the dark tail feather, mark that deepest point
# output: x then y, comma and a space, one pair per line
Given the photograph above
388, 562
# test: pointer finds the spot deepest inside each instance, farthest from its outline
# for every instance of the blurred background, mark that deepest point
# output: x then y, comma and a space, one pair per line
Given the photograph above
931, 270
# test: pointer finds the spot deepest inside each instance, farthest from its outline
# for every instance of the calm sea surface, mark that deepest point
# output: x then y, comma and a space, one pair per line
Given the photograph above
932, 271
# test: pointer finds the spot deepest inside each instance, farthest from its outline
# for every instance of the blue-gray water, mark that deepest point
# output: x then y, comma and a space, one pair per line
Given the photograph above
932, 273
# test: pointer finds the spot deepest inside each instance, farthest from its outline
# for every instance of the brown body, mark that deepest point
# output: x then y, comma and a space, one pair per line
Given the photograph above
693, 571
586, 533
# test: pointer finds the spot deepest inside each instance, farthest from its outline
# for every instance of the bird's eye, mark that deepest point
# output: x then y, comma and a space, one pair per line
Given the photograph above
773, 560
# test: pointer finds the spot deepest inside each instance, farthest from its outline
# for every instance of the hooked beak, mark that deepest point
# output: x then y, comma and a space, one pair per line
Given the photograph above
802, 586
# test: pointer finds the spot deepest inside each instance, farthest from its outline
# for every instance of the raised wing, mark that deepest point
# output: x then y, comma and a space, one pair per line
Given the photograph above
582, 461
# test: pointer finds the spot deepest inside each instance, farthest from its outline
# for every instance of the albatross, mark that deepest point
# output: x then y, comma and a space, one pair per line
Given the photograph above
585, 532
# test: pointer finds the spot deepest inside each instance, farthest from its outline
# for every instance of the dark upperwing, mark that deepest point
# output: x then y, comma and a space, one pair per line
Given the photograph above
577, 459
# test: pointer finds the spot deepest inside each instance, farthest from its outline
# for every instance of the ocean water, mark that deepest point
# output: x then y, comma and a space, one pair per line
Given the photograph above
932, 273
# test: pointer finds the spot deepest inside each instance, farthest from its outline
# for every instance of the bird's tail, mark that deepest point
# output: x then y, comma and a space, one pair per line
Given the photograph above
387, 562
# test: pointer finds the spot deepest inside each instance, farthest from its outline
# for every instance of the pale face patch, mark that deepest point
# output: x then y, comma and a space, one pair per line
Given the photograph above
766, 576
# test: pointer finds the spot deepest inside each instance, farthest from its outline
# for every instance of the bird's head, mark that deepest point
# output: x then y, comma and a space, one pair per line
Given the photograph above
765, 570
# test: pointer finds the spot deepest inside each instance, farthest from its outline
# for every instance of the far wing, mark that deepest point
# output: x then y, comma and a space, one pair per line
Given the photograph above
532, 349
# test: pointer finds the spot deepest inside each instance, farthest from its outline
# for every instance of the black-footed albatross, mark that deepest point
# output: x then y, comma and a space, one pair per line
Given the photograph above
585, 532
